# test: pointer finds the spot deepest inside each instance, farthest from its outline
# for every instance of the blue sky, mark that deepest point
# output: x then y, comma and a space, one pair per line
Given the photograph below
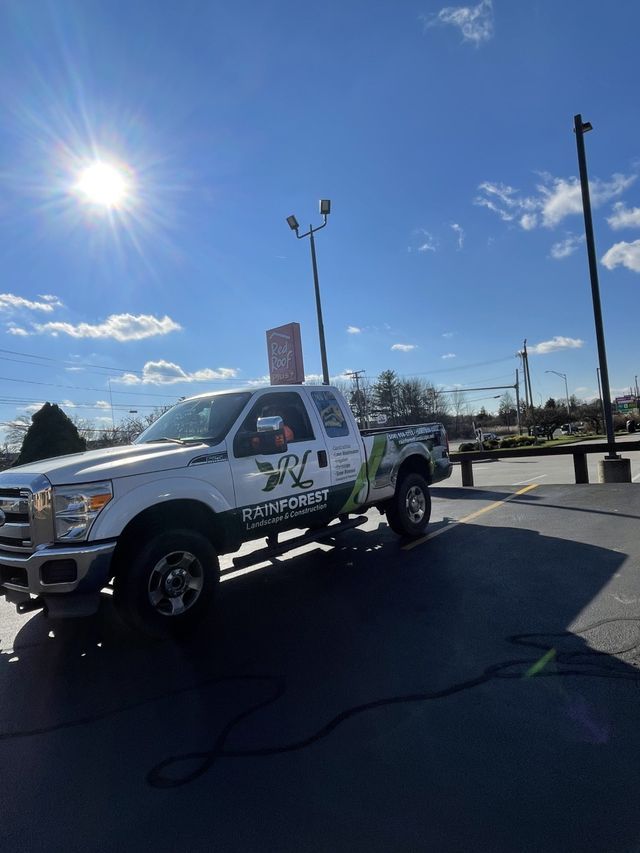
442, 135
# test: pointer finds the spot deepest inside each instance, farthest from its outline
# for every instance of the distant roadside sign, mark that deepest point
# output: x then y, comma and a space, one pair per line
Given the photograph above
625, 404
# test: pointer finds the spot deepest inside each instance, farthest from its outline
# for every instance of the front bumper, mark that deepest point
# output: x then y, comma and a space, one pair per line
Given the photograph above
86, 569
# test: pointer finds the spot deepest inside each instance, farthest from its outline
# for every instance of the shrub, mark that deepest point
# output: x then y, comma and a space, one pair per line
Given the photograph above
518, 441
467, 445
525, 440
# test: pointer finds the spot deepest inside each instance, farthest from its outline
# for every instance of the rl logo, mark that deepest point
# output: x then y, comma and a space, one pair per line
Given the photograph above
289, 464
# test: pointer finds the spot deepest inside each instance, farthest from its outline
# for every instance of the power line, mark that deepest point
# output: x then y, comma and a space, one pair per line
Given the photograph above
451, 369
83, 388
109, 368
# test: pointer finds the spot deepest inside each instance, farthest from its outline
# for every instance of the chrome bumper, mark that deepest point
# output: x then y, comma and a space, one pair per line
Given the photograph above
92, 570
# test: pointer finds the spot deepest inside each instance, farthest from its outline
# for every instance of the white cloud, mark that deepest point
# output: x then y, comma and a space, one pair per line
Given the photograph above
265, 380
168, 373
102, 404
559, 342
623, 255
11, 302
555, 199
403, 347
428, 242
51, 299
475, 22
566, 247
12, 329
118, 327
447, 334
459, 230
624, 217
353, 330
448, 355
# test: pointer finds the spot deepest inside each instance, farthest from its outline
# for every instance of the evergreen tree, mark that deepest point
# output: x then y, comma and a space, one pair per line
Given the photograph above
51, 434
385, 395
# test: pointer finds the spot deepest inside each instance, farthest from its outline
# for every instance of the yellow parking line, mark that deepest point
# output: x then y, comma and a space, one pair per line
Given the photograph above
467, 518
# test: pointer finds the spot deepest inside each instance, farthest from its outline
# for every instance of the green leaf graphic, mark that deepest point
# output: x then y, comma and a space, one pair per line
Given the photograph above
272, 482
264, 467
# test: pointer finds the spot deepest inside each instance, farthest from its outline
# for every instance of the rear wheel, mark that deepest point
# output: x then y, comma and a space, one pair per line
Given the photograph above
165, 586
409, 510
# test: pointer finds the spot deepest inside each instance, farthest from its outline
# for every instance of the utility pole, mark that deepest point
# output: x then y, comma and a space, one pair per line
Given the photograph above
362, 403
600, 396
528, 376
523, 356
517, 387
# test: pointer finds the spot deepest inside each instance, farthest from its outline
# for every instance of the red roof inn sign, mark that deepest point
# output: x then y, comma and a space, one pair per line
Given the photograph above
284, 350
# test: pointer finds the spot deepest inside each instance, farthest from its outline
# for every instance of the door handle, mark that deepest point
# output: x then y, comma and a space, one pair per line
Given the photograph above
322, 459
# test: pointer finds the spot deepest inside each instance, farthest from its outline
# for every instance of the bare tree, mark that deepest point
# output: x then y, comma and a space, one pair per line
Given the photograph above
459, 407
16, 431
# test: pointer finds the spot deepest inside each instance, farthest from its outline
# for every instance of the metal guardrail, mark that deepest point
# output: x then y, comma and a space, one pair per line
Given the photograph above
578, 451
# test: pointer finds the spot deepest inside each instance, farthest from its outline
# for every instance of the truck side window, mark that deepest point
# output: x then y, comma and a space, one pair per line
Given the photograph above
333, 420
286, 405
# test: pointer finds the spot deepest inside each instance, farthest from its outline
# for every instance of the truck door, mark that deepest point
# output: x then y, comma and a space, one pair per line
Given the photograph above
344, 446
276, 491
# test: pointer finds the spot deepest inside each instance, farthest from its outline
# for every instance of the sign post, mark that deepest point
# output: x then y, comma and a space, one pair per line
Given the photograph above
284, 351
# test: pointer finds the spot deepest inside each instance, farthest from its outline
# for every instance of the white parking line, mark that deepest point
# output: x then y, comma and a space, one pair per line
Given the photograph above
524, 482
637, 477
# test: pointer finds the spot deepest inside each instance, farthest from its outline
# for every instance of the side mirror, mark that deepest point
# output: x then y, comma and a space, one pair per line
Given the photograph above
271, 424
268, 440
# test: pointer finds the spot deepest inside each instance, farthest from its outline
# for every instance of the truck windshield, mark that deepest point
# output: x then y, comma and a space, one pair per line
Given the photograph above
202, 419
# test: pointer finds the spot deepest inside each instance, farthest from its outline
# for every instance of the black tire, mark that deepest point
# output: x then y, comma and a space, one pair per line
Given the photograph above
165, 586
409, 510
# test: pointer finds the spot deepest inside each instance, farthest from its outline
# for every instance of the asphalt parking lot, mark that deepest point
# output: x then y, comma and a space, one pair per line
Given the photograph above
477, 690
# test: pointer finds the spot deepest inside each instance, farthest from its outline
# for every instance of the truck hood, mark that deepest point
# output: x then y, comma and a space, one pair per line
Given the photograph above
113, 462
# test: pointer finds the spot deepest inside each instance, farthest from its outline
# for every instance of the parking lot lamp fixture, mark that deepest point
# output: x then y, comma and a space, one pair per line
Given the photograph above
580, 129
325, 210
566, 387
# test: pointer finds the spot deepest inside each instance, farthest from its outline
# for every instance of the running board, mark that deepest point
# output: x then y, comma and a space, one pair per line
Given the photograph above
264, 554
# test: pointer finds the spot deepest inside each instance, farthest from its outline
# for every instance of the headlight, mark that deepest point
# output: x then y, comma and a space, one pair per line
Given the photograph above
75, 508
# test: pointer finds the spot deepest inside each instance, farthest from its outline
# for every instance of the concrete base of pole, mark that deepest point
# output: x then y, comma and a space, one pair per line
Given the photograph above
614, 471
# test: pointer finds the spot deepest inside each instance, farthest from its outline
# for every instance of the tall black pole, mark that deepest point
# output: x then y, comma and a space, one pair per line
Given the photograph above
517, 387
579, 128
323, 349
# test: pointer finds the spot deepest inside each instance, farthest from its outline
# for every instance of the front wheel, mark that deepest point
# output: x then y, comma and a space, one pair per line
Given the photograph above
164, 586
409, 510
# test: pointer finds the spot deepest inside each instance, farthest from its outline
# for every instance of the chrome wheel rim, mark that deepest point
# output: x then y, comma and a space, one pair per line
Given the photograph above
175, 583
416, 504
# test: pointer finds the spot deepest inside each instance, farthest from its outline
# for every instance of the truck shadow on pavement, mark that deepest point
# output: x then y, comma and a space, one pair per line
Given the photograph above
431, 699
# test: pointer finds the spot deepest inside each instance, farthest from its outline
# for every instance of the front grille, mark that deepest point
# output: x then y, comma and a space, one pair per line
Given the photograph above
15, 533
14, 541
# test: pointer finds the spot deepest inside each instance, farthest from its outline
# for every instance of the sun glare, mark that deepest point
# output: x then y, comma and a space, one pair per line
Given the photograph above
103, 185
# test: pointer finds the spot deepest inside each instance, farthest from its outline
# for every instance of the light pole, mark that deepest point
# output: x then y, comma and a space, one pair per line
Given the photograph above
325, 210
580, 129
566, 387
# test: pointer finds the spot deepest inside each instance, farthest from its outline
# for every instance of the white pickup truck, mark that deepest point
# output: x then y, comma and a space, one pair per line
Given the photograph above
213, 472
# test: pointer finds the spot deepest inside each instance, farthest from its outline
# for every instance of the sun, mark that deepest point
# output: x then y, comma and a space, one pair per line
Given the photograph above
103, 185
